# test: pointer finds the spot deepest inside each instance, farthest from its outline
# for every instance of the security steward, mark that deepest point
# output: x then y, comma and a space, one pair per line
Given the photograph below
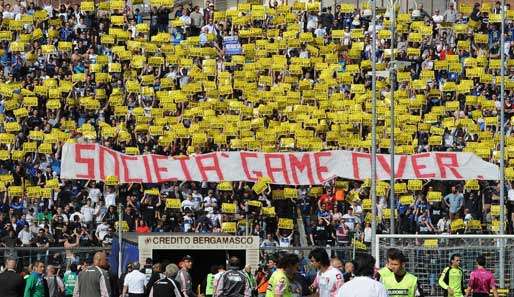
400, 283
385, 271
209, 282
167, 286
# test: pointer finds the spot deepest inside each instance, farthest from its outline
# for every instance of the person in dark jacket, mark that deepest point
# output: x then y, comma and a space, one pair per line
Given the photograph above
233, 282
166, 286
12, 282
156, 275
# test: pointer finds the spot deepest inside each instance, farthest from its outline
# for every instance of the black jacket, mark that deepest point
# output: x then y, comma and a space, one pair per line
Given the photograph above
233, 283
12, 284
165, 287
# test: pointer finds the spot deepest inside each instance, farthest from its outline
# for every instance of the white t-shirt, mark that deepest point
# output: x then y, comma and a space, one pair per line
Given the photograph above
101, 230
88, 212
25, 237
362, 286
328, 282
110, 199
136, 282
94, 194
437, 18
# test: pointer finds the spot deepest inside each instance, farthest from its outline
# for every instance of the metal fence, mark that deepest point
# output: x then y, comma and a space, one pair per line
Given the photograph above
57, 256
427, 257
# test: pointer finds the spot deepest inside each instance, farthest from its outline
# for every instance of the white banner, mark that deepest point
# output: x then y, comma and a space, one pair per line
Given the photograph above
93, 161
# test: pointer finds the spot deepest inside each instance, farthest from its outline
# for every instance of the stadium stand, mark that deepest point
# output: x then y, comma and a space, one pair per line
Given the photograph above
156, 78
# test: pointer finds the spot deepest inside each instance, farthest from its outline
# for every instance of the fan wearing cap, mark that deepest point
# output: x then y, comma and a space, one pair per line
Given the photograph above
134, 283
184, 278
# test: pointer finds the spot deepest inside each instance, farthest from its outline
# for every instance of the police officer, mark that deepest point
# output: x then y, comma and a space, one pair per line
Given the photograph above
400, 283
233, 283
167, 286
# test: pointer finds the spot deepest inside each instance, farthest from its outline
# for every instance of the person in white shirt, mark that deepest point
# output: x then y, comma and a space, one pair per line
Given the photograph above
284, 240
350, 220
134, 283
25, 236
110, 196
102, 230
188, 204
94, 193
437, 18
209, 202
88, 212
363, 285
328, 279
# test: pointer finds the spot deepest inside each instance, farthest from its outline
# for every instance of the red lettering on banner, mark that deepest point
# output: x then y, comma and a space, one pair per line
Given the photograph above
452, 165
149, 178
355, 163
271, 170
157, 169
183, 165
102, 151
417, 167
205, 168
90, 162
128, 179
244, 163
386, 165
321, 169
305, 163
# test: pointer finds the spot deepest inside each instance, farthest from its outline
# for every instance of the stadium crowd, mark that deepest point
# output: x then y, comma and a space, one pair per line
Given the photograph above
175, 80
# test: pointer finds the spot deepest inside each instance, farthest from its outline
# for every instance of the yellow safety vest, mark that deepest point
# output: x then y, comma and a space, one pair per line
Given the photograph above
406, 288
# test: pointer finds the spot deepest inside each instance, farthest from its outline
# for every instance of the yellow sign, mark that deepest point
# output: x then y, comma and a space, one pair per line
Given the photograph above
261, 185
430, 243
228, 208
456, 225
434, 196
173, 203
111, 180
229, 227
285, 224
268, 211
124, 226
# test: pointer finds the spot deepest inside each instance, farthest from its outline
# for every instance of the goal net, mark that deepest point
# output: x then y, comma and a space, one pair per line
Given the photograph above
428, 255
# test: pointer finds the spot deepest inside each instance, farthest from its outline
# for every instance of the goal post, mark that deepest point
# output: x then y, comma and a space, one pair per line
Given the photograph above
428, 255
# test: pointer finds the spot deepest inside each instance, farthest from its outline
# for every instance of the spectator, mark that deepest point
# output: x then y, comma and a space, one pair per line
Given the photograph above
454, 202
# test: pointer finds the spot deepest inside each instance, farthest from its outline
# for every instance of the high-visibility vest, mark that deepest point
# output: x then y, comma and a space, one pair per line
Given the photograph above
209, 287
405, 288
385, 272
278, 278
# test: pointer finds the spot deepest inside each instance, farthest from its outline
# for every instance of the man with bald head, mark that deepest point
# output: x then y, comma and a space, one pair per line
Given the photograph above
12, 282
94, 281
